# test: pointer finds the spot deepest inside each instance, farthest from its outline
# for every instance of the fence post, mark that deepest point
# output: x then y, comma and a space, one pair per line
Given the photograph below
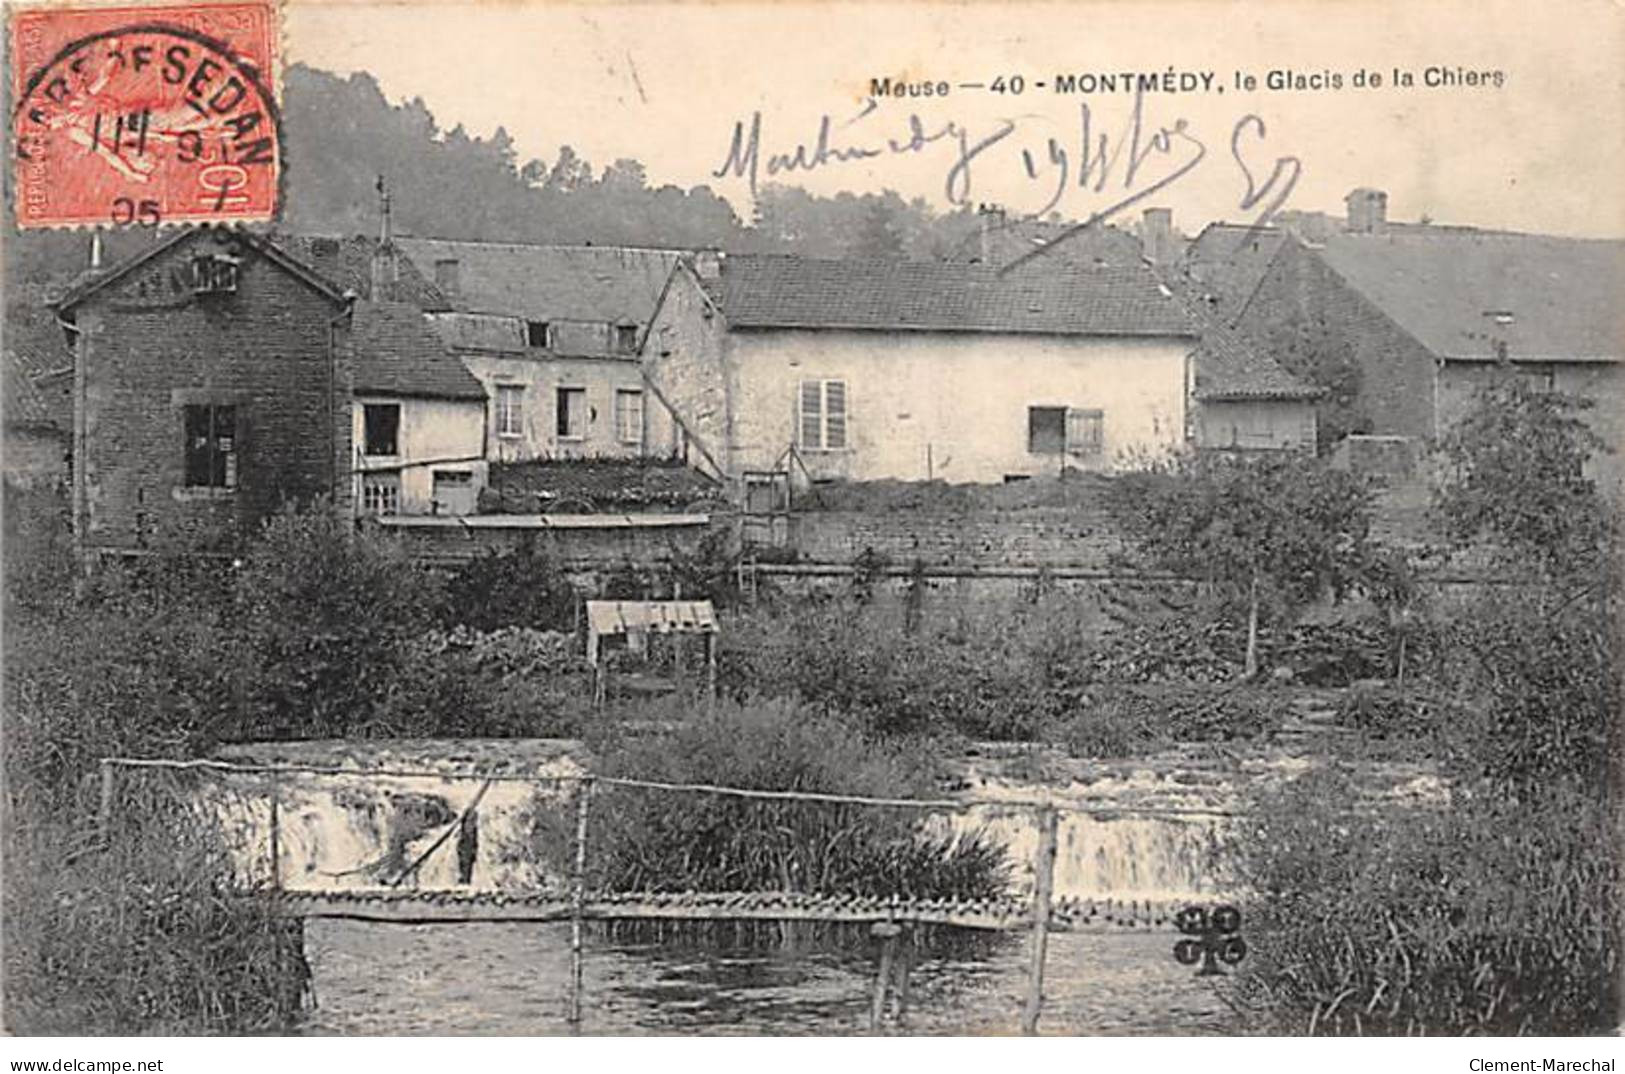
104, 807
276, 837
578, 902
1043, 888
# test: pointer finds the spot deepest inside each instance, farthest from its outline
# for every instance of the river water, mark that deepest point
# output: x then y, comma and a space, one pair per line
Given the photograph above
513, 979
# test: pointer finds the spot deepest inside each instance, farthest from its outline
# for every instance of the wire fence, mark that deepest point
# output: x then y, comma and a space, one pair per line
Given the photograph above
428, 844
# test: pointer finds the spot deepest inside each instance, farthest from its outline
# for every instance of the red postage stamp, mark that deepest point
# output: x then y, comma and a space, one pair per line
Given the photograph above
145, 115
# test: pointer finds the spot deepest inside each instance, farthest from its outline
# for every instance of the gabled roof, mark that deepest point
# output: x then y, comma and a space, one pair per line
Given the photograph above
1452, 288
346, 261
1226, 366
397, 352
1228, 262
774, 291
607, 284
94, 280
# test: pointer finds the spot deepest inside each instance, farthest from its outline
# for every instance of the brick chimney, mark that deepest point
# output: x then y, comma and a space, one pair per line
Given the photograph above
1157, 236
708, 264
990, 218
1367, 211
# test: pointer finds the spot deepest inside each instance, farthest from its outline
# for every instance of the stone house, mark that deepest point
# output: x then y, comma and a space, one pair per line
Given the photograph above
553, 333
917, 371
216, 378
1423, 315
1240, 398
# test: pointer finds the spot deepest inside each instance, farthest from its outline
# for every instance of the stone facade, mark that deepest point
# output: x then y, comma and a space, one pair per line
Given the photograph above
260, 374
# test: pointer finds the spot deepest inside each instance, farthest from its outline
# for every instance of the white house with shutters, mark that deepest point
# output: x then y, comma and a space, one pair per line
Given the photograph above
887, 369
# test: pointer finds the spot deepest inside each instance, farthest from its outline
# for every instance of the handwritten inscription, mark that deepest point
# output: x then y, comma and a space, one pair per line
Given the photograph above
1119, 164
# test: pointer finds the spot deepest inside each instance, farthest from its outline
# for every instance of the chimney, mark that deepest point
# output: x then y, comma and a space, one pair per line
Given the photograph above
991, 219
448, 276
708, 264
384, 269
1367, 211
1157, 236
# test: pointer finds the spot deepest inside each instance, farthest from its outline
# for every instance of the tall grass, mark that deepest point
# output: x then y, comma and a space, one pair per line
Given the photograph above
1482, 917
142, 936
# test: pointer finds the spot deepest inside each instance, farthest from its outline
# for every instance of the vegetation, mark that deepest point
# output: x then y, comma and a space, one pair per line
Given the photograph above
1270, 533
651, 840
1499, 911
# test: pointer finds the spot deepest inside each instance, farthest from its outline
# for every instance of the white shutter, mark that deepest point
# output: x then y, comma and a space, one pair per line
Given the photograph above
835, 414
812, 414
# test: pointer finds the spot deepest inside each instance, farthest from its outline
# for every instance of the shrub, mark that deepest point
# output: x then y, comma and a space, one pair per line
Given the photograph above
143, 937
512, 588
648, 840
1480, 917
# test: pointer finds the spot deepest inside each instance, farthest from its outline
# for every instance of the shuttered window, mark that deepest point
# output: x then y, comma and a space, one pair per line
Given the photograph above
1085, 431
823, 415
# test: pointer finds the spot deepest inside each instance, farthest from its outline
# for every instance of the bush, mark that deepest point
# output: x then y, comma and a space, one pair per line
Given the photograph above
514, 588
648, 840
144, 937
1479, 917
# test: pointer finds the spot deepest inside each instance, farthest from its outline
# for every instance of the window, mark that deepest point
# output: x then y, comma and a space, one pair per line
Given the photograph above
510, 410
382, 423
1046, 430
454, 492
1085, 432
538, 334
626, 338
572, 413
211, 446
381, 494
214, 274
446, 275
629, 416
1058, 430
823, 415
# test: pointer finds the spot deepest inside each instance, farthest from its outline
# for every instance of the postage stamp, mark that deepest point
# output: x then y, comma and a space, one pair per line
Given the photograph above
145, 115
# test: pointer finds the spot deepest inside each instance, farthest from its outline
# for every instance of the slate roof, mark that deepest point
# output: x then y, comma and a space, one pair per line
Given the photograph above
1227, 367
1228, 262
608, 284
776, 291
346, 261
1443, 285
397, 352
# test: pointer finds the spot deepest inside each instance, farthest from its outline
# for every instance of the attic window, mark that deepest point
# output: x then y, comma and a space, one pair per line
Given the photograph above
626, 338
537, 334
214, 274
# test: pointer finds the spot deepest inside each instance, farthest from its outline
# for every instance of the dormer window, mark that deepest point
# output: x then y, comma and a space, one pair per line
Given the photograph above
537, 334
214, 274
626, 338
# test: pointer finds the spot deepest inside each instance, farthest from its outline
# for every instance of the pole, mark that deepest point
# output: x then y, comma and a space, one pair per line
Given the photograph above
578, 902
1043, 888
104, 808
886, 932
276, 840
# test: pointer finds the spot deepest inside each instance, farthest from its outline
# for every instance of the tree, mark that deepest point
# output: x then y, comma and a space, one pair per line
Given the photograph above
1516, 480
1272, 532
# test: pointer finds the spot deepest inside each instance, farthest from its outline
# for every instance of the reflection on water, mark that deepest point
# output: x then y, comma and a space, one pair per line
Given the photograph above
508, 978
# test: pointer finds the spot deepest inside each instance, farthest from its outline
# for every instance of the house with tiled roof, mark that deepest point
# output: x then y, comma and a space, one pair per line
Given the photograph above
1407, 322
553, 333
917, 371
1240, 398
218, 377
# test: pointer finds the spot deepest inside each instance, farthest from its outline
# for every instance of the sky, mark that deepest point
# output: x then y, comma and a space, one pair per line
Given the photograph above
668, 83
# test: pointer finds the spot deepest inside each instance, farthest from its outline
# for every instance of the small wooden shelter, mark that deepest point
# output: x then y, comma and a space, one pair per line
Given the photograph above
636, 620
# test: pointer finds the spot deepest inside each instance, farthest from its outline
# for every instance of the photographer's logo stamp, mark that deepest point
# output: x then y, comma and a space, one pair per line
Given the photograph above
146, 115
